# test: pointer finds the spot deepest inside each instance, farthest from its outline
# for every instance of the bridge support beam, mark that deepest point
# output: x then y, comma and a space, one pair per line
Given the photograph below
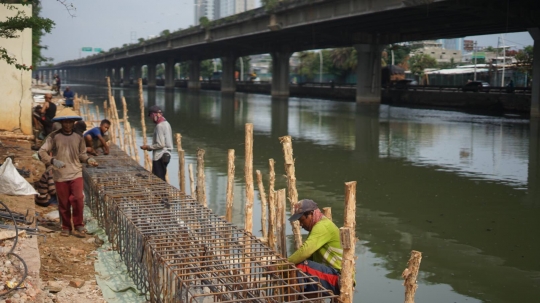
280, 73
228, 83
535, 96
534, 160
194, 74
169, 73
151, 81
126, 72
368, 73
137, 73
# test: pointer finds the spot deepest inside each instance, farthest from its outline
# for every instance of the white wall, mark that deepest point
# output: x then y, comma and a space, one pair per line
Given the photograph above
16, 102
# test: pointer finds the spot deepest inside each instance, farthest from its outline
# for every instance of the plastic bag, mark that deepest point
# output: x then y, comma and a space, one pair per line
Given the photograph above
12, 183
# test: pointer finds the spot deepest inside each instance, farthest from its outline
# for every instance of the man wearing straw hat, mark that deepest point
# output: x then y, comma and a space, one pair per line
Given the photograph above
321, 254
161, 142
68, 152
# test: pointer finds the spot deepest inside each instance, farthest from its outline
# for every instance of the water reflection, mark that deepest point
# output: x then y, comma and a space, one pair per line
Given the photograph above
463, 189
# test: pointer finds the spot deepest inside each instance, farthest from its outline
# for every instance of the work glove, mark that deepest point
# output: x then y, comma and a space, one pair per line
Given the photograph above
58, 163
92, 162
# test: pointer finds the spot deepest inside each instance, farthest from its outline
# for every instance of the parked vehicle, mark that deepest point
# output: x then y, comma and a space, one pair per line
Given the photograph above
405, 83
476, 86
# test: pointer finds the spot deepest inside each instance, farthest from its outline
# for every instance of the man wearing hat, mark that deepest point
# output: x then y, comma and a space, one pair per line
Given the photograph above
68, 152
161, 142
320, 255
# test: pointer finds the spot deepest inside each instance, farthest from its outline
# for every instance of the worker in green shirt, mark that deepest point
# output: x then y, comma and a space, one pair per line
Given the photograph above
320, 255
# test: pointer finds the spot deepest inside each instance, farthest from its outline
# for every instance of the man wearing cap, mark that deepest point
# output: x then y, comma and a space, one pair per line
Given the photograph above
68, 152
161, 142
320, 255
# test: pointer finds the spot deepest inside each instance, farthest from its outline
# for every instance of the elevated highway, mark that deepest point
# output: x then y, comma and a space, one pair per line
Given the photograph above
300, 25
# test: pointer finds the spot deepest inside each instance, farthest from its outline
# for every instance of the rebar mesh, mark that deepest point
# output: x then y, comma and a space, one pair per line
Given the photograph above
176, 250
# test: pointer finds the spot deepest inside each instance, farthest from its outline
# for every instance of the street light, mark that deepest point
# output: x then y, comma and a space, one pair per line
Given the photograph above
320, 66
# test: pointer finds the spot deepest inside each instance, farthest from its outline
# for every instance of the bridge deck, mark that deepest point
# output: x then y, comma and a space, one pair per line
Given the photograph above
175, 249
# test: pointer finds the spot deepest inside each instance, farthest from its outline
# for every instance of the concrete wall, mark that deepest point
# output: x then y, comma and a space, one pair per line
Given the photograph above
16, 104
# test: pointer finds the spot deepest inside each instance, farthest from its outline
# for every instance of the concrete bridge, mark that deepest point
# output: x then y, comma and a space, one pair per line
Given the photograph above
301, 25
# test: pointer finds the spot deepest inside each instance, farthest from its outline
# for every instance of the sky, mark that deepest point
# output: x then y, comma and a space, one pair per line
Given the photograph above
111, 23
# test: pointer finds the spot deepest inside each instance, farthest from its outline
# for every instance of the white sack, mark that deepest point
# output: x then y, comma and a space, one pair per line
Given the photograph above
12, 183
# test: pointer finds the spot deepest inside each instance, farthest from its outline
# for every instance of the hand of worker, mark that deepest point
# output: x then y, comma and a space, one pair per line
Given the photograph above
58, 163
92, 162
144, 147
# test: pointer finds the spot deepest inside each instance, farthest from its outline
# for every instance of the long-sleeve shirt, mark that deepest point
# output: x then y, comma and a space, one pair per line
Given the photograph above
70, 149
162, 140
322, 246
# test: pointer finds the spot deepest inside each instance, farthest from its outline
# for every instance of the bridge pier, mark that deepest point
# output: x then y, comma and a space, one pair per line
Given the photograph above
535, 96
368, 73
194, 74
151, 81
228, 83
367, 132
280, 73
169, 73
533, 181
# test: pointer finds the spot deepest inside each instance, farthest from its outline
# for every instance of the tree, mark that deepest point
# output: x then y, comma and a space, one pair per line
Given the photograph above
420, 62
524, 58
445, 65
165, 33
247, 66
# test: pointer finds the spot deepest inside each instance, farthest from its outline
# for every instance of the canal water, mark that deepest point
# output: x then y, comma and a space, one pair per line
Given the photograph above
463, 189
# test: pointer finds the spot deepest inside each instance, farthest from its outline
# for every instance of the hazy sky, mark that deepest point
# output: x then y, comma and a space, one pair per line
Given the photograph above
112, 23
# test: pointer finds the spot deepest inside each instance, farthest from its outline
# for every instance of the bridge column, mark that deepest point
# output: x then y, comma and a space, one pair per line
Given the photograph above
151, 81
535, 85
534, 160
137, 72
169, 73
126, 75
368, 73
280, 73
194, 75
228, 83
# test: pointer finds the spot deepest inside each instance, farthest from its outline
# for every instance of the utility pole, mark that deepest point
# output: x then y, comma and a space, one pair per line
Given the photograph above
504, 60
474, 54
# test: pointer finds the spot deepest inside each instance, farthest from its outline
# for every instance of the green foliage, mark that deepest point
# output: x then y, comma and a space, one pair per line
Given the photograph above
446, 65
419, 62
270, 4
207, 68
524, 58
165, 33
310, 64
204, 21
141, 40
11, 27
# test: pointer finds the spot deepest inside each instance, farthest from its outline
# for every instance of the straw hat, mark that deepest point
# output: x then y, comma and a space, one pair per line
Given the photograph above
67, 114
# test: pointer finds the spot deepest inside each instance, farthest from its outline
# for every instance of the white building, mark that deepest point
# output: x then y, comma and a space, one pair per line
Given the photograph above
204, 8
435, 50
232, 7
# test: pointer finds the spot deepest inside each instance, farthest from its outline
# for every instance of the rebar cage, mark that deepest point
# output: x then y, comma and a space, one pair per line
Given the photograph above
176, 250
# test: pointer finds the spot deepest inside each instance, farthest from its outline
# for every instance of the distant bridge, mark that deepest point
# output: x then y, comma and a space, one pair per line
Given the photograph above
300, 25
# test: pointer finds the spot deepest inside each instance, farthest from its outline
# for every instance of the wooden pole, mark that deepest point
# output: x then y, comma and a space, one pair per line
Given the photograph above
327, 212
125, 119
410, 274
134, 144
181, 164
77, 104
98, 116
230, 185
147, 161
201, 190
192, 182
271, 205
280, 199
248, 172
264, 205
348, 241
286, 141
105, 110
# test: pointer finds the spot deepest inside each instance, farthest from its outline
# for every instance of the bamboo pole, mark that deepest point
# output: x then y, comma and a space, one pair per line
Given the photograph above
77, 104
327, 212
105, 110
134, 144
248, 173
348, 241
410, 274
201, 183
192, 182
125, 119
181, 164
117, 120
286, 141
280, 199
230, 185
271, 205
147, 161
97, 113
264, 205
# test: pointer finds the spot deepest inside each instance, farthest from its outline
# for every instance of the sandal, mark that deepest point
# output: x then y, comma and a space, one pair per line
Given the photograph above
64, 233
79, 232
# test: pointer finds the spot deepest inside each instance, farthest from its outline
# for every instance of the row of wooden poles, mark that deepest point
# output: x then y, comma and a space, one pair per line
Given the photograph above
273, 204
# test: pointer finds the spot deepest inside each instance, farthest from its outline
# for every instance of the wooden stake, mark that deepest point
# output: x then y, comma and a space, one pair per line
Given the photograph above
271, 205
134, 144
147, 161
98, 116
201, 189
410, 274
125, 119
181, 164
327, 212
264, 205
105, 110
230, 185
348, 240
192, 182
286, 141
248, 172
280, 199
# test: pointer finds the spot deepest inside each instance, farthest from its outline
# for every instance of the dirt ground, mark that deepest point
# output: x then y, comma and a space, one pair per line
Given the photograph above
57, 266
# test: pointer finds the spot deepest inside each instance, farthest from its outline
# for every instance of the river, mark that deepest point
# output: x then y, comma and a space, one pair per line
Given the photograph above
463, 189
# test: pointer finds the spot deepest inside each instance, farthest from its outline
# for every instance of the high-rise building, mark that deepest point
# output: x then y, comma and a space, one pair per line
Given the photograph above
232, 7
204, 8
453, 44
